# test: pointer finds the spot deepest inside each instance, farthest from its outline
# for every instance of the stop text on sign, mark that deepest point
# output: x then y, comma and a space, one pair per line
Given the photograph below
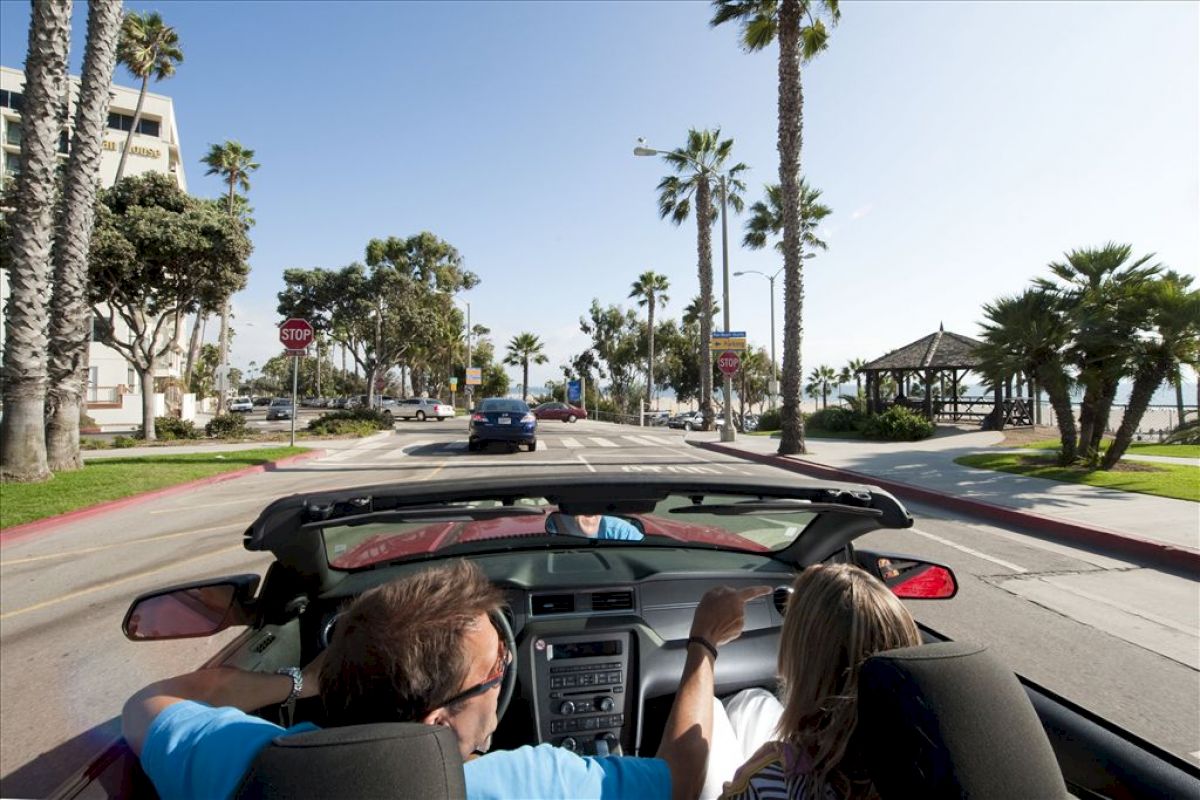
728, 362
296, 334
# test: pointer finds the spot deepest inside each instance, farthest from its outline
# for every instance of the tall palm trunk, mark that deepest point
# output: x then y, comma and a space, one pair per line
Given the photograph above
222, 357
704, 266
193, 354
1178, 381
1147, 379
650, 363
137, 118
791, 111
70, 318
1054, 382
525, 379
23, 430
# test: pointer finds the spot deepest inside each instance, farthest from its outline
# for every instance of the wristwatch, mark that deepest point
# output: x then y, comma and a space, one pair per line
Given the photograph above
288, 706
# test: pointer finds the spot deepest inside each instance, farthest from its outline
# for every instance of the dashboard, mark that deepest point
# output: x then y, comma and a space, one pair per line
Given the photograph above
601, 635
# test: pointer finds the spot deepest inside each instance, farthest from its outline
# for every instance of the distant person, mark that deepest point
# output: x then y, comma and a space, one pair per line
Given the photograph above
593, 526
837, 617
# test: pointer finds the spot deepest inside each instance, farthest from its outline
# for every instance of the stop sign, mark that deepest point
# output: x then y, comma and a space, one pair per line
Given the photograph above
728, 362
296, 334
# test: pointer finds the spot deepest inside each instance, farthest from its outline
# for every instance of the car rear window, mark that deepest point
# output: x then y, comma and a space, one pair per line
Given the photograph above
510, 406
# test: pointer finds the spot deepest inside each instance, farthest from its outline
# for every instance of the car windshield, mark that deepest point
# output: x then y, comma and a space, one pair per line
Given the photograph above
729, 522
503, 406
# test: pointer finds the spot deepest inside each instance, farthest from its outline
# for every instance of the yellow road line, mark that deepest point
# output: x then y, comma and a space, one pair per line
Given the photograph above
435, 472
68, 553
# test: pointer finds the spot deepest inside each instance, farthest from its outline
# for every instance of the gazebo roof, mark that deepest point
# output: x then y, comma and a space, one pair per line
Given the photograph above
941, 349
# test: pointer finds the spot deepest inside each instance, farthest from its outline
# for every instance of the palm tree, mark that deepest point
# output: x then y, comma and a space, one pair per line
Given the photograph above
148, 48
650, 289
31, 224
802, 35
1029, 333
1174, 314
523, 348
697, 167
822, 380
234, 164
70, 318
766, 218
691, 312
853, 372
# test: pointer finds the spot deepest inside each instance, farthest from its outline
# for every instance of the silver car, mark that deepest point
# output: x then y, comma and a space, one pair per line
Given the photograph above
422, 408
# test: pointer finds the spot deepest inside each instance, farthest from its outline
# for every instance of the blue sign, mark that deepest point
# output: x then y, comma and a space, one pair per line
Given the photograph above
573, 391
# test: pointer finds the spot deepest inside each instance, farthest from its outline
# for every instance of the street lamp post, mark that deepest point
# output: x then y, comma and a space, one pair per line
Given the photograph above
728, 433
774, 364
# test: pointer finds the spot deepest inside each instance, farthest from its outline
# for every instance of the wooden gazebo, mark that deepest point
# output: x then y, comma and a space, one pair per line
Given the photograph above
941, 359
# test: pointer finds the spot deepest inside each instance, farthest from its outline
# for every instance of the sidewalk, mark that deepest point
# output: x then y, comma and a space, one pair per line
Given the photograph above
925, 471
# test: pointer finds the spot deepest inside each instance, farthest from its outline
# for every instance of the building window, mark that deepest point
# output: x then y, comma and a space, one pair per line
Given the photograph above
12, 163
101, 330
123, 122
93, 384
13, 100
131, 377
12, 133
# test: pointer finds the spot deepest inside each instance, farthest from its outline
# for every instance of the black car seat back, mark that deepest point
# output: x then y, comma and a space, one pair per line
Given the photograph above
949, 720
395, 759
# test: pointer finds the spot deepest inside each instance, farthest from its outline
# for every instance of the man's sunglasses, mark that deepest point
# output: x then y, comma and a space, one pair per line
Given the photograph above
491, 682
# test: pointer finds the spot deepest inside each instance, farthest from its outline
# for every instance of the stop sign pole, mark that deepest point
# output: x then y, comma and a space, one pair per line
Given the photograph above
296, 335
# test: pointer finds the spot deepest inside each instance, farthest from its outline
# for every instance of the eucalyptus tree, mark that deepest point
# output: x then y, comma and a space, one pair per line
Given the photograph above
233, 163
650, 289
1173, 311
157, 254
30, 231
70, 317
802, 35
149, 48
522, 349
1102, 292
698, 166
1030, 333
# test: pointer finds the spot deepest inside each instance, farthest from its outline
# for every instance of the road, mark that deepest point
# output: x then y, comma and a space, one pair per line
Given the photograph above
1113, 637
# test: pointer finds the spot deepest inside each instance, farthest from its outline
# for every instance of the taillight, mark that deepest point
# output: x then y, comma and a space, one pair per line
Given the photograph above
528, 418
478, 418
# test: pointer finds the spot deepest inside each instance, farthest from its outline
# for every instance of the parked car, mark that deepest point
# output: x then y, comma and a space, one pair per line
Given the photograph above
498, 419
280, 408
262, 401
658, 418
560, 411
689, 421
241, 405
620, 609
422, 408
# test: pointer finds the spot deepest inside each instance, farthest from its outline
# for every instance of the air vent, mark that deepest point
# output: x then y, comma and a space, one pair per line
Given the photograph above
612, 601
553, 604
780, 597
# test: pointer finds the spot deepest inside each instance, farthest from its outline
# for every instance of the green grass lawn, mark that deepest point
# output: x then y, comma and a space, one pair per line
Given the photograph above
114, 478
1137, 448
1165, 480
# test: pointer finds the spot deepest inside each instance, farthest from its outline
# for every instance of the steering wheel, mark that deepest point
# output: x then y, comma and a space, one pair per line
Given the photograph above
510, 676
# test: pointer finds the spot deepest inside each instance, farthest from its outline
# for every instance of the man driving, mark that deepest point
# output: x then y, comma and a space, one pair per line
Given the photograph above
593, 526
422, 649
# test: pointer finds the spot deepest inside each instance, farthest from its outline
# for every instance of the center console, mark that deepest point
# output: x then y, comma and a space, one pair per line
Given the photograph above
581, 700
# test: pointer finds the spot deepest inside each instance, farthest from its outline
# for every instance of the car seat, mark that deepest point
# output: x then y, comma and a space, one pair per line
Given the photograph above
393, 759
949, 720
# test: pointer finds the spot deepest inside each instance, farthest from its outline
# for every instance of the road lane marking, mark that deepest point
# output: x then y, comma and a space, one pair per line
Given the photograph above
637, 440
571, 442
108, 585
971, 552
584, 462
83, 550
440, 467
177, 509
603, 442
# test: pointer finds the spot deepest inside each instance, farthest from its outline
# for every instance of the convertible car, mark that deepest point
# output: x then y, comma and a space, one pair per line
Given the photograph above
599, 629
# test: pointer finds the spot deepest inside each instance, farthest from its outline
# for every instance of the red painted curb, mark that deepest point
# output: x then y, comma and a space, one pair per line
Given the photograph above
1151, 553
22, 532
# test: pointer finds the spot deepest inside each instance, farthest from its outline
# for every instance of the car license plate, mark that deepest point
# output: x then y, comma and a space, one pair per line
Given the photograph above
503, 420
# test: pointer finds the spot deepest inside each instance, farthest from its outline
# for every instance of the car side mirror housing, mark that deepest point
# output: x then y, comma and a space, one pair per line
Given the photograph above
909, 578
191, 610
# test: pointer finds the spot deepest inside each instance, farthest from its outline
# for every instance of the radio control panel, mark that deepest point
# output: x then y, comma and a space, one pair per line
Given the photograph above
581, 698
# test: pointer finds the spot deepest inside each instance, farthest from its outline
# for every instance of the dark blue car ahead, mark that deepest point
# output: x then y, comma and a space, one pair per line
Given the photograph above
498, 419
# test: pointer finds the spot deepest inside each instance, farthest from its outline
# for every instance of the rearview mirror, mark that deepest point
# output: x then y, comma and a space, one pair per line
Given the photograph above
909, 578
191, 610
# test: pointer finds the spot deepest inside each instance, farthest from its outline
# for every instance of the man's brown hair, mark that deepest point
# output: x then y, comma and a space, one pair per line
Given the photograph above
398, 649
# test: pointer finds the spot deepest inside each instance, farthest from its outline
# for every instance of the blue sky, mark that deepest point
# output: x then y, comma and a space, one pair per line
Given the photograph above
961, 146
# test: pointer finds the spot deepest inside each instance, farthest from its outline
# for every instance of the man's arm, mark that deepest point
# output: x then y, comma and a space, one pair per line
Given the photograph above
223, 686
719, 619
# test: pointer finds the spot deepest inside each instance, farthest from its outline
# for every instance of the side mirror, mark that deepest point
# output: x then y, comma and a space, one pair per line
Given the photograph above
191, 610
909, 578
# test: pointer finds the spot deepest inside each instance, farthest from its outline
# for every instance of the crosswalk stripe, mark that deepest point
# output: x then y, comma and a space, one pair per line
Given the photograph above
569, 441
603, 442
658, 440
637, 440
543, 444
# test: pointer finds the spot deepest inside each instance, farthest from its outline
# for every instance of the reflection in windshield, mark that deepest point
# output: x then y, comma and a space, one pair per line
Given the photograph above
593, 526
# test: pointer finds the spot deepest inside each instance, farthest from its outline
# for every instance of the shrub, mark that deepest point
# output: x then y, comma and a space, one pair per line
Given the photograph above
226, 426
898, 424
769, 420
124, 441
835, 420
94, 444
1187, 433
168, 428
370, 420
343, 427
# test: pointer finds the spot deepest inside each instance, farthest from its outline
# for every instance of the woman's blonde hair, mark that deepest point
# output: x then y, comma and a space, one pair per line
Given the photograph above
837, 617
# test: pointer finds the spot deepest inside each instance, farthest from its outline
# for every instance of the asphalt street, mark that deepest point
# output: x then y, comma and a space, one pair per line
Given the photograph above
1116, 638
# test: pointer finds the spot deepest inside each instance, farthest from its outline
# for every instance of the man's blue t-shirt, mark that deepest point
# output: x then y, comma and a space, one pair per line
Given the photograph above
197, 751
610, 528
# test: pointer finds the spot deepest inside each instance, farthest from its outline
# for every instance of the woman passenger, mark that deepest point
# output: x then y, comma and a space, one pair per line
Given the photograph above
837, 617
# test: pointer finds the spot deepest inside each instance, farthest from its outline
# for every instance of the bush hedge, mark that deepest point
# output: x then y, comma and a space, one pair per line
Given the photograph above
351, 421
169, 428
769, 420
226, 426
898, 424
122, 442
835, 420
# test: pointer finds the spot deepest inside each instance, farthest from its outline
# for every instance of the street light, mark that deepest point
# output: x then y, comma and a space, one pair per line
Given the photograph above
774, 365
727, 430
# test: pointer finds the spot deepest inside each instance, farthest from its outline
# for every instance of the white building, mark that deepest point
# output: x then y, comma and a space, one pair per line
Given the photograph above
114, 392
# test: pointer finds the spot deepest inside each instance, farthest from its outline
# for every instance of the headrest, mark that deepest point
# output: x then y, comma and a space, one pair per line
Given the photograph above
949, 720
394, 759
